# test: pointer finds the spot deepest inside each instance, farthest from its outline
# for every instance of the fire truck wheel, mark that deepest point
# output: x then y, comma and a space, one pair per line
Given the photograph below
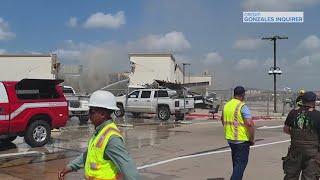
38, 133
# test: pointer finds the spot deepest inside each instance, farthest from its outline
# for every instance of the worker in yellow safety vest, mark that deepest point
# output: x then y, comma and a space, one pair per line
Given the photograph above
106, 157
239, 131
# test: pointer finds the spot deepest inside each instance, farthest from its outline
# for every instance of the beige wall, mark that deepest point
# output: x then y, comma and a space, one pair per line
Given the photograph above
148, 69
17, 68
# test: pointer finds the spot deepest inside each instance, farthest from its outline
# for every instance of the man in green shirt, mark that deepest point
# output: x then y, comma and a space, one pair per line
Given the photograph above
102, 105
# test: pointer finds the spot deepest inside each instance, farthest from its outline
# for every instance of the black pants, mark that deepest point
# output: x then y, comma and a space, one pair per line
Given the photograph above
301, 160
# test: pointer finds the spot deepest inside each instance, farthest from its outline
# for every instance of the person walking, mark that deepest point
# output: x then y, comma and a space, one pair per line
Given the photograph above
303, 126
106, 157
239, 131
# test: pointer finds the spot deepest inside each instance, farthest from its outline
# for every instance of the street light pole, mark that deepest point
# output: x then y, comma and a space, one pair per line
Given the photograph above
274, 70
274, 75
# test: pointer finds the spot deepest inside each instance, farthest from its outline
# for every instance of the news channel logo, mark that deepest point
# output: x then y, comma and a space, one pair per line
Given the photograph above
273, 17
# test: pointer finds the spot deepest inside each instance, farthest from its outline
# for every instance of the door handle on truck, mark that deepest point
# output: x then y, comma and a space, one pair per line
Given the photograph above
1, 109
148, 100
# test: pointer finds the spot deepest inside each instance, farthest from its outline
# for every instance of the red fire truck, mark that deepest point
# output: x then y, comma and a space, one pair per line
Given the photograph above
31, 108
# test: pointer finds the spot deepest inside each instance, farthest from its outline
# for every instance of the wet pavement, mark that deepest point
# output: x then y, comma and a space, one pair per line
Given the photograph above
149, 141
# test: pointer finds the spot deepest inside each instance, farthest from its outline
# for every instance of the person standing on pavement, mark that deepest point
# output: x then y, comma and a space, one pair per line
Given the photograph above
303, 126
106, 157
239, 131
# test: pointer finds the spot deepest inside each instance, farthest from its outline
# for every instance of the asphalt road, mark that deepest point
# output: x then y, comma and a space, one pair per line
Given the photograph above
162, 151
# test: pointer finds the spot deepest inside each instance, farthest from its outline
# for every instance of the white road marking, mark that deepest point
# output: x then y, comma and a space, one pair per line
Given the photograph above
270, 127
20, 154
267, 120
204, 154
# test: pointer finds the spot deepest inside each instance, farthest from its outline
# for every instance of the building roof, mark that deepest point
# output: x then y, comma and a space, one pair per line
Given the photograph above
153, 55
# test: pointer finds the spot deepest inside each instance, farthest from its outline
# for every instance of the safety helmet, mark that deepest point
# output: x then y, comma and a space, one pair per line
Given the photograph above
301, 91
103, 99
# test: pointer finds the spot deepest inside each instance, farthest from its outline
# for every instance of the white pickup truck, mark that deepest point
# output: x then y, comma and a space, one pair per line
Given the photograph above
164, 102
78, 106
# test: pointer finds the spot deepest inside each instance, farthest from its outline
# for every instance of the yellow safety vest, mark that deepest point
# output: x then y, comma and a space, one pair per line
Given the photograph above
234, 126
96, 167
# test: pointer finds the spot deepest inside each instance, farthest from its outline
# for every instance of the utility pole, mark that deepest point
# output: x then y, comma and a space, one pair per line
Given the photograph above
184, 70
274, 70
184, 91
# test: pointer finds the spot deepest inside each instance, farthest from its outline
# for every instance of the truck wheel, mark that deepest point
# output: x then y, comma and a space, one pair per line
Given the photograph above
163, 113
9, 139
83, 119
119, 113
38, 133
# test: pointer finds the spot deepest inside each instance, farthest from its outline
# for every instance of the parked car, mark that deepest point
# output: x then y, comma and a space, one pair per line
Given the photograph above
164, 102
31, 108
78, 105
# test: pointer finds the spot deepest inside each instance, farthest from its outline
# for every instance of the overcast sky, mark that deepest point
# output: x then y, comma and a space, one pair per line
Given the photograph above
208, 34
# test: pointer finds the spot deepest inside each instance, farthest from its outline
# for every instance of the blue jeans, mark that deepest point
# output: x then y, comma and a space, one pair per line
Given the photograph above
240, 155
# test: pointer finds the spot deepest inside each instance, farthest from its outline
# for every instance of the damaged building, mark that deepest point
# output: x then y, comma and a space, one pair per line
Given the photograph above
146, 68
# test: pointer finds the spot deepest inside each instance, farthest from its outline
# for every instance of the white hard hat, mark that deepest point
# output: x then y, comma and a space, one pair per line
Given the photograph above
103, 99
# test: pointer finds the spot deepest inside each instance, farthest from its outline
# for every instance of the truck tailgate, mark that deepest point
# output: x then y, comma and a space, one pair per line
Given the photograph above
189, 103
